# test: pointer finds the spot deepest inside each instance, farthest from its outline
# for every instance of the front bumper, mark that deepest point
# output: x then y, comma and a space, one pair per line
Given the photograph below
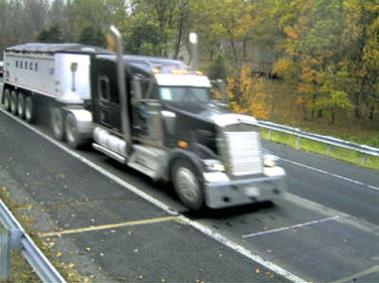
220, 191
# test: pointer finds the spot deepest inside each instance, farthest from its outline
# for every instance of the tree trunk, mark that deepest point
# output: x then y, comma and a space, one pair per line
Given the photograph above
179, 37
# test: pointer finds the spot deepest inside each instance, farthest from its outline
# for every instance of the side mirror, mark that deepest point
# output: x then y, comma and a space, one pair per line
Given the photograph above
137, 88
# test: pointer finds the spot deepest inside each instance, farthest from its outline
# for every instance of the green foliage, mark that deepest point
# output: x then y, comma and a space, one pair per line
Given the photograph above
217, 69
92, 35
142, 36
52, 34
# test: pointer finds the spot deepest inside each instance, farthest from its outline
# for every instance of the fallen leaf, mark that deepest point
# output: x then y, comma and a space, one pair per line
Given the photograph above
257, 271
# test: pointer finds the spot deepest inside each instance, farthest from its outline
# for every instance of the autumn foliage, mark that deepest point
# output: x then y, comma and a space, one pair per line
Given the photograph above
247, 94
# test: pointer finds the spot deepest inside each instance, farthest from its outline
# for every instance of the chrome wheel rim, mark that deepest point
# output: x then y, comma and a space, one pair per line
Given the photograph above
70, 131
21, 105
6, 99
187, 185
13, 102
57, 122
28, 109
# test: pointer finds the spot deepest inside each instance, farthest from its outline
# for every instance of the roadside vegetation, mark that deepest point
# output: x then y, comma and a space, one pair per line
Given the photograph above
310, 64
21, 271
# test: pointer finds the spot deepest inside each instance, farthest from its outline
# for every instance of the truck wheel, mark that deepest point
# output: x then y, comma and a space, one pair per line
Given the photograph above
13, 101
21, 105
187, 186
71, 129
7, 99
29, 109
57, 123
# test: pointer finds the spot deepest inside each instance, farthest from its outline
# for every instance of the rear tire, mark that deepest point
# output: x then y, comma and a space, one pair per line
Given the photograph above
21, 105
6, 99
187, 186
57, 123
72, 135
13, 102
29, 109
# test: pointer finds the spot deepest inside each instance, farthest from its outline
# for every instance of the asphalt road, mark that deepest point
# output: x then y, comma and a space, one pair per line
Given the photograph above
324, 230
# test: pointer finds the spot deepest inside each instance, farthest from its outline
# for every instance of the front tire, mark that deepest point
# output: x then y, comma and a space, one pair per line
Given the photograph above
187, 186
57, 123
13, 103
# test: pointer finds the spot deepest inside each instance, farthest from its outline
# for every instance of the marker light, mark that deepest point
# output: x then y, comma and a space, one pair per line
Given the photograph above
183, 144
179, 72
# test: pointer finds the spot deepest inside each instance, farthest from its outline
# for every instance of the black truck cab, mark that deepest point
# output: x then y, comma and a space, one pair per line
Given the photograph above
180, 133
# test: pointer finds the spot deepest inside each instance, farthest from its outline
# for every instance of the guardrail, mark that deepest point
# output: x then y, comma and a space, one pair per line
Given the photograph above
329, 141
13, 236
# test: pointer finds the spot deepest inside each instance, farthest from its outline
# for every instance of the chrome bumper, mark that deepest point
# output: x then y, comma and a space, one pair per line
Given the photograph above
220, 191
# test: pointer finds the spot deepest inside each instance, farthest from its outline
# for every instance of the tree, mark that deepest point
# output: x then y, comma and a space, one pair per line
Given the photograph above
228, 20
92, 35
52, 34
247, 94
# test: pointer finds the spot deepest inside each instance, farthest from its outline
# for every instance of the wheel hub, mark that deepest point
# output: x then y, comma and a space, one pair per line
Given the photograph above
187, 184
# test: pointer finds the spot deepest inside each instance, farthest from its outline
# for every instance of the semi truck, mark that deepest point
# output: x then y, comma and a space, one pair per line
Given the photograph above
155, 115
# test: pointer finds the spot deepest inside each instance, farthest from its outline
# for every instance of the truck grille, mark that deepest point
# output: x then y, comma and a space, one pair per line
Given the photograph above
242, 153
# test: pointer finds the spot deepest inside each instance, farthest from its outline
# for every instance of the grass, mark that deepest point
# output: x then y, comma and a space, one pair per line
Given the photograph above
21, 270
350, 156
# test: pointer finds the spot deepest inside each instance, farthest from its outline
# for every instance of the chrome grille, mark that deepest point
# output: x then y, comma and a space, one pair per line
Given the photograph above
242, 153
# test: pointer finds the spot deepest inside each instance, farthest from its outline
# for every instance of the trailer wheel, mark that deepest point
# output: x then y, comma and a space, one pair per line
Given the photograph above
6, 99
29, 109
13, 101
57, 123
187, 186
71, 129
21, 105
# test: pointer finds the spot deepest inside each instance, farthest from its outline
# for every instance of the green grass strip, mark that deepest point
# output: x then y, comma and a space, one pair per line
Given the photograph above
351, 156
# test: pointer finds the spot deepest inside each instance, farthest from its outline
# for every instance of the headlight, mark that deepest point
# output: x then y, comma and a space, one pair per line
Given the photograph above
213, 165
270, 160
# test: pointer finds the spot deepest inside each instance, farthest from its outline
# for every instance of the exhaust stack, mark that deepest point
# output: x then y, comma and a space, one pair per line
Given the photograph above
123, 94
193, 39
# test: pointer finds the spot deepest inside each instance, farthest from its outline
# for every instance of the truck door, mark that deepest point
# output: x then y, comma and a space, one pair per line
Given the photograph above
146, 114
106, 105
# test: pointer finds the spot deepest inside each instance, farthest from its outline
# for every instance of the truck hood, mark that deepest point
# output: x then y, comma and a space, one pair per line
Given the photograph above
210, 113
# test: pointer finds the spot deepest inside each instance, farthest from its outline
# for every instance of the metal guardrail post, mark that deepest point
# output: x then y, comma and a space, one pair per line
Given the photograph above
328, 150
364, 159
5, 253
269, 134
297, 145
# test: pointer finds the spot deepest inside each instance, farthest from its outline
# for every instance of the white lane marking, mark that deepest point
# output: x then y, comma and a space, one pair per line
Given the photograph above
242, 250
354, 277
198, 226
345, 218
332, 174
290, 227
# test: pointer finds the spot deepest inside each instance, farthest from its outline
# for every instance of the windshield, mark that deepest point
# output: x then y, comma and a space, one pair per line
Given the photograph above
185, 94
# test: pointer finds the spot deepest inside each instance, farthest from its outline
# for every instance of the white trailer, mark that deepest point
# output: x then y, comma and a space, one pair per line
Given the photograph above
52, 78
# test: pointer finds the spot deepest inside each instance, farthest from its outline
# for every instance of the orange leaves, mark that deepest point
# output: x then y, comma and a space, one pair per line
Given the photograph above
284, 67
248, 94
291, 32
305, 88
